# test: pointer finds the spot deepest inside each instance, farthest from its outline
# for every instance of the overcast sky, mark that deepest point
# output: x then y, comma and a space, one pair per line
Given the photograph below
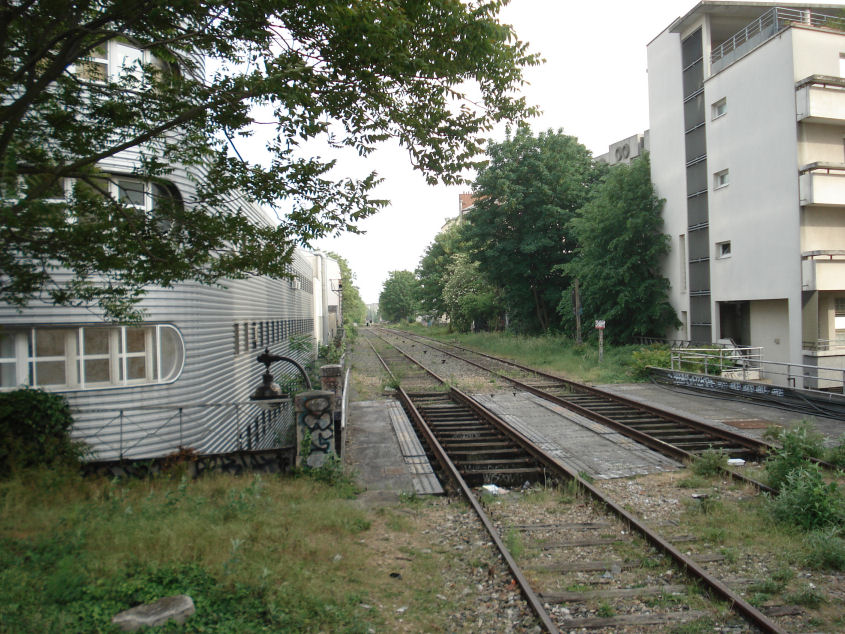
593, 85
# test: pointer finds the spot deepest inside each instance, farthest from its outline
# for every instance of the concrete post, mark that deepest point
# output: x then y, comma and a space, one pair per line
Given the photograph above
315, 440
330, 379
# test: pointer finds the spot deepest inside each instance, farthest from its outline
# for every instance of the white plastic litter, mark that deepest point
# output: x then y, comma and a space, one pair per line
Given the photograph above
737, 462
493, 489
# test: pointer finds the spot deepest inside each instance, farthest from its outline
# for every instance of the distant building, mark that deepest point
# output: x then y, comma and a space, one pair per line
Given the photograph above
747, 121
626, 150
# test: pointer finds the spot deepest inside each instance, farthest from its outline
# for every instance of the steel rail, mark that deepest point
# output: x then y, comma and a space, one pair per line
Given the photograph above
640, 437
457, 480
737, 603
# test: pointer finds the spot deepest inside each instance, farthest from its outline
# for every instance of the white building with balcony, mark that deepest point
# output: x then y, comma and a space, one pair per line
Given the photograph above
747, 138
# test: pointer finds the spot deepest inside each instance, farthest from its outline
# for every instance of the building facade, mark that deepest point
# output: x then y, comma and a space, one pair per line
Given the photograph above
747, 145
183, 377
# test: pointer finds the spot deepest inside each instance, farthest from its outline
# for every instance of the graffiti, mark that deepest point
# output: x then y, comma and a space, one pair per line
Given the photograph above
314, 425
711, 383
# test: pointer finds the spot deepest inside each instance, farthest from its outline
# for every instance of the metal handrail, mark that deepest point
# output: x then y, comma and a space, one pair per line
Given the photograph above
777, 19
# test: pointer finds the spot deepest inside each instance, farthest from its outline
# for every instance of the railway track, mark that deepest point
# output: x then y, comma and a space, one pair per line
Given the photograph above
579, 559
672, 435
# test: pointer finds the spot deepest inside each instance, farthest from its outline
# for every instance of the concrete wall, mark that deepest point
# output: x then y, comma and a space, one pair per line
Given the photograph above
770, 320
666, 132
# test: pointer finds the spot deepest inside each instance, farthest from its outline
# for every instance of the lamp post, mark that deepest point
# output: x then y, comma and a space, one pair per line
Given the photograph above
269, 393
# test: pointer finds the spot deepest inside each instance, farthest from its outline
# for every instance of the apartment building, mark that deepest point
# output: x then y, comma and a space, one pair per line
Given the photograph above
747, 143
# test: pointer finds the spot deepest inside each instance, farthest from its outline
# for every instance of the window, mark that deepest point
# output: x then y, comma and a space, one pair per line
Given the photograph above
113, 61
839, 319
719, 108
721, 179
723, 249
90, 357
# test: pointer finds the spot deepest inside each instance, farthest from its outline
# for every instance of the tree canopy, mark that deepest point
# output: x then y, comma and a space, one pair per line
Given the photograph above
517, 228
398, 298
83, 83
617, 261
433, 271
353, 307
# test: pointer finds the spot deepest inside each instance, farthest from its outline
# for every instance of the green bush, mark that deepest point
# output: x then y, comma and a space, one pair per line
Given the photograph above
35, 430
805, 500
836, 455
710, 463
653, 355
798, 444
825, 550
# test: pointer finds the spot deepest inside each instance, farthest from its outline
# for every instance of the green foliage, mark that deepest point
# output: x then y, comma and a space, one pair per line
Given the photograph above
35, 430
467, 296
836, 455
825, 549
517, 229
805, 500
808, 596
433, 271
655, 355
434, 75
710, 463
619, 247
797, 444
354, 309
398, 298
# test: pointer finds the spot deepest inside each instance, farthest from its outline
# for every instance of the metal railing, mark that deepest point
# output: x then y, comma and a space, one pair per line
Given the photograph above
771, 23
156, 431
747, 364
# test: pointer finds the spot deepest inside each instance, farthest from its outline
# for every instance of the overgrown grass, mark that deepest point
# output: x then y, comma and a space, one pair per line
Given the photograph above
256, 553
557, 354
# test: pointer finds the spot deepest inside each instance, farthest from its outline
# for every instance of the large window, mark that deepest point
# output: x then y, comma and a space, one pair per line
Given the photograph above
90, 357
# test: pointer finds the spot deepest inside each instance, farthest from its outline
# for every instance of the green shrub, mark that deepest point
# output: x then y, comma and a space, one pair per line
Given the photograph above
836, 455
798, 444
35, 430
654, 355
825, 550
805, 500
710, 463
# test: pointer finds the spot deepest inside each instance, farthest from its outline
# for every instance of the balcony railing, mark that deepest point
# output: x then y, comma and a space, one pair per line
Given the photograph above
765, 27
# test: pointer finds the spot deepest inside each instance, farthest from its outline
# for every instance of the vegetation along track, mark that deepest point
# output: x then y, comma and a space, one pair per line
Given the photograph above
589, 562
670, 434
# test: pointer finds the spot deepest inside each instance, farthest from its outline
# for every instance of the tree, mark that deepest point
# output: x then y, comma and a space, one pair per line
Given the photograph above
617, 261
468, 297
432, 74
354, 309
433, 273
516, 230
398, 298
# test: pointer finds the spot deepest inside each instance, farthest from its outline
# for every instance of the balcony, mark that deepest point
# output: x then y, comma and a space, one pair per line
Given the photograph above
822, 184
823, 270
820, 99
764, 28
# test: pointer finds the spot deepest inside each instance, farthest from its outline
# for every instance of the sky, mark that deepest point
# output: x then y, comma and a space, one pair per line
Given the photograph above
593, 85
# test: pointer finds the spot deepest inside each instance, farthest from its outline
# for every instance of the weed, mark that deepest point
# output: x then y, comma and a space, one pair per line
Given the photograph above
655, 355
783, 574
605, 610
808, 596
805, 500
729, 554
710, 463
836, 455
797, 445
692, 482
698, 626
513, 541
825, 550
586, 477
714, 534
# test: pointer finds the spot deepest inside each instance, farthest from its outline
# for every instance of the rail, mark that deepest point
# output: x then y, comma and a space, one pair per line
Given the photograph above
771, 23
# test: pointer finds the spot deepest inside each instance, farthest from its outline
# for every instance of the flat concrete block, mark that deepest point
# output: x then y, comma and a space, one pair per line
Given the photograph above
177, 608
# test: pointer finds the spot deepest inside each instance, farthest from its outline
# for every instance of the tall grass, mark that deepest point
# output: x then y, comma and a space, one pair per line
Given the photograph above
554, 353
254, 552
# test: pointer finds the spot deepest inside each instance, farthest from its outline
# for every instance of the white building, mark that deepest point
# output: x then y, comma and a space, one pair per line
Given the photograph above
183, 377
747, 123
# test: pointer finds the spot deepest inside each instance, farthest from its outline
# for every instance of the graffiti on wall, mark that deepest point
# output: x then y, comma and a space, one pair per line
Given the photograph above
314, 428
